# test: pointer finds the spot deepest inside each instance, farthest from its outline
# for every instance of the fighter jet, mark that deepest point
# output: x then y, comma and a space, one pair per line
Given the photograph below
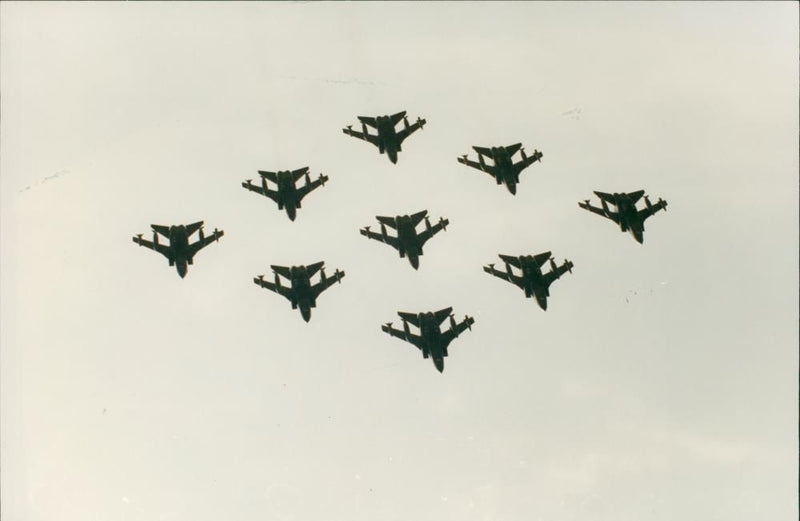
532, 280
407, 242
387, 139
179, 252
300, 291
431, 340
626, 215
287, 195
503, 169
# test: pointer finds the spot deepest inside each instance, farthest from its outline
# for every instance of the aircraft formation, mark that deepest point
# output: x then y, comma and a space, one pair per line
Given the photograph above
524, 271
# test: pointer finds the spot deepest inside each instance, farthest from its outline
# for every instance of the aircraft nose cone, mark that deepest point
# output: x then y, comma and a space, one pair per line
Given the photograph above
182, 270
639, 236
306, 313
292, 213
414, 261
542, 302
512, 187
439, 363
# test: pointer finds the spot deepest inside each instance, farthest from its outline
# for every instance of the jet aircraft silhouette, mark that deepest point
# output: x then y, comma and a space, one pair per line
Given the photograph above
387, 138
503, 169
407, 242
431, 340
532, 280
179, 252
300, 292
626, 215
287, 195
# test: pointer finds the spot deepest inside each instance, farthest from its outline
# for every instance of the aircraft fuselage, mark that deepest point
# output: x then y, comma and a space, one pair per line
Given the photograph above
180, 252
434, 347
504, 169
302, 294
387, 138
629, 219
534, 282
407, 237
287, 193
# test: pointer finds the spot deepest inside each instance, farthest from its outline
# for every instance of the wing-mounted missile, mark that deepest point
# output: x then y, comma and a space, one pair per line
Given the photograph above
155, 237
553, 266
524, 155
308, 179
452, 322
383, 230
264, 184
427, 223
202, 235
405, 122
508, 270
406, 330
322, 276
481, 161
648, 203
364, 129
605, 207
277, 280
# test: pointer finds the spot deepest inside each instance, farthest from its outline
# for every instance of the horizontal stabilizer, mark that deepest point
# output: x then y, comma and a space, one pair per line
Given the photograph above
508, 259
163, 230
513, 149
542, 257
411, 318
388, 221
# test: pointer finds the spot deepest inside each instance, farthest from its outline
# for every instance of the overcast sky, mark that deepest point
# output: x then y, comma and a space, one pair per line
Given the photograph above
660, 384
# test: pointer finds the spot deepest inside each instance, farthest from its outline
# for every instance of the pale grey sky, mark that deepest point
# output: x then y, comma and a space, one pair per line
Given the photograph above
660, 384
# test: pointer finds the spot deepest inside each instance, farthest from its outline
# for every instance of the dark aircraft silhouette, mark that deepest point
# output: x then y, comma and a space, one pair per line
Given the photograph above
387, 139
504, 170
179, 252
288, 195
626, 215
301, 292
431, 340
532, 280
408, 242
